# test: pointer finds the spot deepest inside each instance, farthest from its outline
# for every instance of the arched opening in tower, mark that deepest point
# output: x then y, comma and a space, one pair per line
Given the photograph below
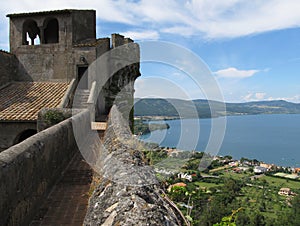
51, 32
31, 33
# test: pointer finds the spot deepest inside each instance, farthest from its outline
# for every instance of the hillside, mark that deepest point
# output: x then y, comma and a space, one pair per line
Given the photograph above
201, 108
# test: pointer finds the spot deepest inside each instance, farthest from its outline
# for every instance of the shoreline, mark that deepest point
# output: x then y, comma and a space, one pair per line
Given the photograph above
280, 155
161, 118
231, 159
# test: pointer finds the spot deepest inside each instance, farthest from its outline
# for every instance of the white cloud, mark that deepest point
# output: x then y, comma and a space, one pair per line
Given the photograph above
260, 96
179, 76
235, 73
248, 97
114, 11
235, 18
255, 96
295, 99
142, 35
208, 18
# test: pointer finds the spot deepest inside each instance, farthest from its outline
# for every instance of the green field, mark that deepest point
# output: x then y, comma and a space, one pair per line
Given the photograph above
282, 182
206, 184
237, 176
174, 164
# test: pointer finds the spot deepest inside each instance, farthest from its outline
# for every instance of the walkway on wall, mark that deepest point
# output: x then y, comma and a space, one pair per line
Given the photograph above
67, 203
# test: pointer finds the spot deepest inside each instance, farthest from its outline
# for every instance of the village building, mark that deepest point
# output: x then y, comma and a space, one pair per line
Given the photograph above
259, 170
180, 184
297, 170
265, 165
285, 191
185, 176
233, 163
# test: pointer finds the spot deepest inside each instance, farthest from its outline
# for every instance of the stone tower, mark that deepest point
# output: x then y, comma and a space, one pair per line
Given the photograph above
44, 42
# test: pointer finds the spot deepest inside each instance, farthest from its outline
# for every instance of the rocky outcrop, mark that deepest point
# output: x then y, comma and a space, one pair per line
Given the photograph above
129, 193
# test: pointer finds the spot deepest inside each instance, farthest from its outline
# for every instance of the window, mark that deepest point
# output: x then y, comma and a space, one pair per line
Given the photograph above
31, 33
51, 34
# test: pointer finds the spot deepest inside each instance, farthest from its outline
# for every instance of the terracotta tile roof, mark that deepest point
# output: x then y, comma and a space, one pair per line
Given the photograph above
21, 101
180, 184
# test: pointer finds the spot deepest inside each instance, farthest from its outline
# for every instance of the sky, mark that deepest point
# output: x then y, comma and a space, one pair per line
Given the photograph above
252, 48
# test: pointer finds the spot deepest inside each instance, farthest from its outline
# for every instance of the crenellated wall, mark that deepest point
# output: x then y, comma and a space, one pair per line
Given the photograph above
29, 169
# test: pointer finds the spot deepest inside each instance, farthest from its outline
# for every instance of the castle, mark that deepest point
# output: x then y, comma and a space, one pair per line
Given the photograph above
50, 52
56, 61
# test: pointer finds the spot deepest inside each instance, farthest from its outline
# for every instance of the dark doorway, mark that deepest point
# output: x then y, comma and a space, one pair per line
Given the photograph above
82, 75
24, 135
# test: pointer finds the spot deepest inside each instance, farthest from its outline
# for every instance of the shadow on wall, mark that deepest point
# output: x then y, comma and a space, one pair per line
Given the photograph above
11, 69
21, 74
24, 135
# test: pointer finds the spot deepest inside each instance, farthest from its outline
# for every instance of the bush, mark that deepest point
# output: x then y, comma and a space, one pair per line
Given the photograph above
53, 117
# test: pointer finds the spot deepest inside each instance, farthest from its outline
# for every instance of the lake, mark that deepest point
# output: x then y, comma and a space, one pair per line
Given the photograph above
269, 138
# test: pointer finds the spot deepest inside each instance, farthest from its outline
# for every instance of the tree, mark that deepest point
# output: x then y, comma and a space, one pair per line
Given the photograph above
242, 218
228, 157
294, 215
229, 220
257, 219
232, 185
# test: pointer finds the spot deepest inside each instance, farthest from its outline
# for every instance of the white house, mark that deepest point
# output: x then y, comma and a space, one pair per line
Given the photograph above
260, 169
185, 176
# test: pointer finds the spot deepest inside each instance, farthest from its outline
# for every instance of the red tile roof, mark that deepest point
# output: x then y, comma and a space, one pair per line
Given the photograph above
180, 184
21, 101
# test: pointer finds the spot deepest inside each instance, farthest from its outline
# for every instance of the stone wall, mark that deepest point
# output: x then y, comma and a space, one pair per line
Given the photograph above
12, 131
7, 67
30, 168
84, 25
129, 193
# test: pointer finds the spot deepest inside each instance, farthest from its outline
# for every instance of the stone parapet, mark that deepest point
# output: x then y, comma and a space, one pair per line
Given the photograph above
129, 193
30, 168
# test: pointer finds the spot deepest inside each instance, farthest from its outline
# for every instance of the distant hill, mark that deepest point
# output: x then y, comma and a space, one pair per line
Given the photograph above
201, 108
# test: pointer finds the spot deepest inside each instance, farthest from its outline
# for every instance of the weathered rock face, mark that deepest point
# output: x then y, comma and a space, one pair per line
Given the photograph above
129, 193
118, 204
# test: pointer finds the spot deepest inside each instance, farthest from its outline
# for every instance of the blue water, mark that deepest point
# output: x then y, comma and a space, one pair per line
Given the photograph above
269, 138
